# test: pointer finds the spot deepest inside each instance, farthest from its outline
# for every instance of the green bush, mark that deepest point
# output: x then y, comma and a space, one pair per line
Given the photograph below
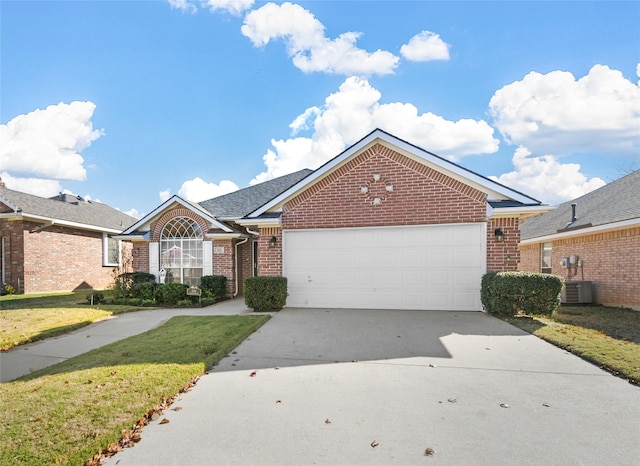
8, 289
142, 290
171, 293
214, 287
507, 293
265, 293
148, 302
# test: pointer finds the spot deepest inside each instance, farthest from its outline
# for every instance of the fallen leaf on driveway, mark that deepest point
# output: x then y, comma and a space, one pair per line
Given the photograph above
504, 405
164, 421
253, 374
452, 400
328, 420
429, 452
374, 444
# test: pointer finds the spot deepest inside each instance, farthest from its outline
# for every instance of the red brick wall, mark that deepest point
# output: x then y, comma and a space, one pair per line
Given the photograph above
14, 253
55, 258
140, 256
610, 261
270, 259
420, 196
503, 256
224, 262
245, 258
158, 225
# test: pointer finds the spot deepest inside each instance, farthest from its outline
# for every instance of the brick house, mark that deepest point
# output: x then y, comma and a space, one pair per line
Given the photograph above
385, 224
62, 243
595, 239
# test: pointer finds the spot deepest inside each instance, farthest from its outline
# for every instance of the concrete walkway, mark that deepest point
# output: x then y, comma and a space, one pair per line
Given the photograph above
349, 387
33, 356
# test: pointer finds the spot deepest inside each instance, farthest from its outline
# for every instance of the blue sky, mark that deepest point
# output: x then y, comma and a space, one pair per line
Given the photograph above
130, 102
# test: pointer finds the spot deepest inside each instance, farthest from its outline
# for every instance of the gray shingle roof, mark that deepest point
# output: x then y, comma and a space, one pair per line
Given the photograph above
68, 208
614, 202
244, 201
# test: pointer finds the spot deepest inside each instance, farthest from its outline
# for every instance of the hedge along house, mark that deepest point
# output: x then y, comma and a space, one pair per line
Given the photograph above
385, 224
593, 240
62, 243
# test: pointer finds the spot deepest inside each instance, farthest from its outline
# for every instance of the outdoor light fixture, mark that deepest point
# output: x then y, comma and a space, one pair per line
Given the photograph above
499, 235
273, 241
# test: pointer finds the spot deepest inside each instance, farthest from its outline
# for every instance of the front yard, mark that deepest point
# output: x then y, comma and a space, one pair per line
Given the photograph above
98, 401
608, 337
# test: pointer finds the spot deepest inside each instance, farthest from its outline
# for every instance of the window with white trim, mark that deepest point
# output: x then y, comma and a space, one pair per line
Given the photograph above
545, 257
181, 251
111, 251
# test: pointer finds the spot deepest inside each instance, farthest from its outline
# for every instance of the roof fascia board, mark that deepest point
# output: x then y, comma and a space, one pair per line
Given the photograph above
521, 212
8, 204
215, 236
634, 222
133, 238
147, 219
415, 153
55, 221
260, 222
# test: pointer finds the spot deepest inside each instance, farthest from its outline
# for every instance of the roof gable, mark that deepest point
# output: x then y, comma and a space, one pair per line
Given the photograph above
66, 209
611, 204
494, 190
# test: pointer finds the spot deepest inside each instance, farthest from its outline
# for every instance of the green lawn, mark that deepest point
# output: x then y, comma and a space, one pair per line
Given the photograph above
26, 318
608, 337
69, 412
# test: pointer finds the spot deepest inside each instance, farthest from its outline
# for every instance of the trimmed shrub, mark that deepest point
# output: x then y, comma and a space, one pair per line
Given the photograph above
171, 293
214, 287
265, 293
142, 290
507, 293
95, 298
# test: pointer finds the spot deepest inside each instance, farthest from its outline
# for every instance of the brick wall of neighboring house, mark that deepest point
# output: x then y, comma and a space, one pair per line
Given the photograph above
609, 261
270, 259
245, 264
530, 258
62, 259
13, 260
420, 196
503, 256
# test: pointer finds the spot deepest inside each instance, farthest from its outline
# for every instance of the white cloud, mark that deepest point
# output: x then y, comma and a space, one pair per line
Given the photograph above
164, 195
35, 186
555, 113
234, 7
546, 179
354, 111
47, 143
184, 5
197, 190
425, 46
310, 50
134, 213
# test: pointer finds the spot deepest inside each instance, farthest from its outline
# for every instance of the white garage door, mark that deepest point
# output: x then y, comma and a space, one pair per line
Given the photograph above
436, 267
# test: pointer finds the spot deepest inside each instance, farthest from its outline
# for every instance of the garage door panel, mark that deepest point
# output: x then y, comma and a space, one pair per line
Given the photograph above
425, 267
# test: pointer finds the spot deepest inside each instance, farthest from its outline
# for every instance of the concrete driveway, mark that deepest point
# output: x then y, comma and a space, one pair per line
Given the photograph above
348, 387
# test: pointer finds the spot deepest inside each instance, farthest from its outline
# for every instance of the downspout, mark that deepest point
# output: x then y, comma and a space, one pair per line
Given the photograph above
236, 259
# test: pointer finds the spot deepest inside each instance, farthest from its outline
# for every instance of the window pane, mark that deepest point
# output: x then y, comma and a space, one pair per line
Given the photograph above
181, 251
545, 258
113, 251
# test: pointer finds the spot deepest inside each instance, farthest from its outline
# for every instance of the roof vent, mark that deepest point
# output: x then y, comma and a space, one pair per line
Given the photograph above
573, 216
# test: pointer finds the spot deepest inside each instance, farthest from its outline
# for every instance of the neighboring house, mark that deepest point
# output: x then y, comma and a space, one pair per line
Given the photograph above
61, 243
385, 224
593, 238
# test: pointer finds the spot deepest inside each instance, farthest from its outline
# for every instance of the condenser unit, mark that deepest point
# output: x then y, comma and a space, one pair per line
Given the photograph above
576, 292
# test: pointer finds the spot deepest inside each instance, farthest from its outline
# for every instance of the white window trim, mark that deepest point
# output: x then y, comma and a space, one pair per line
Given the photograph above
105, 252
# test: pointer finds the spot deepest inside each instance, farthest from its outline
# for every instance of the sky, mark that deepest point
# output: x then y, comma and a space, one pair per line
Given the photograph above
131, 102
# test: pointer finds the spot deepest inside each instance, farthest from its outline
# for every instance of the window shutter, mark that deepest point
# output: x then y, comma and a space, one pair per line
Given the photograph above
154, 258
207, 258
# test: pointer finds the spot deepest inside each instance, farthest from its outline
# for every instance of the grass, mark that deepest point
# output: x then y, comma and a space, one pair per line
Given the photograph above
26, 318
608, 337
71, 411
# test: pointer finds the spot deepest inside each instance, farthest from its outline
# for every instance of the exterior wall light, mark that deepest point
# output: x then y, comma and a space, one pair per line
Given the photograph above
273, 241
499, 234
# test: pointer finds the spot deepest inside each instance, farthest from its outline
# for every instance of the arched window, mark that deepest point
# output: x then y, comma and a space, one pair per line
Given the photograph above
181, 251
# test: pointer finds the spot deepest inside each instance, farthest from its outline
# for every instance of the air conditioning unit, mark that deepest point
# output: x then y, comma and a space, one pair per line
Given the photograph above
576, 292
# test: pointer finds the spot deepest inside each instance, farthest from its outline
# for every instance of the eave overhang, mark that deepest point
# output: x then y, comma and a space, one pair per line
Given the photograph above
572, 233
48, 221
521, 212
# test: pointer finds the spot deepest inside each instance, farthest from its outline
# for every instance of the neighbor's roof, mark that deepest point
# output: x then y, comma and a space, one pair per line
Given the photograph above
65, 209
618, 201
244, 201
